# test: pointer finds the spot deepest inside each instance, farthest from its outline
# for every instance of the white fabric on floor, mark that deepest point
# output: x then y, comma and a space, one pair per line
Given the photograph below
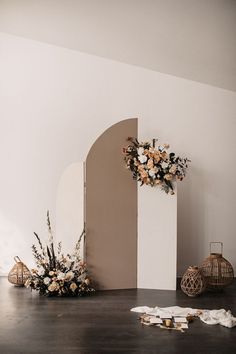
222, 317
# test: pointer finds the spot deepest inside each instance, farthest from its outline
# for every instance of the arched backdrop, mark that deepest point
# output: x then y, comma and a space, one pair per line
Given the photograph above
111, 210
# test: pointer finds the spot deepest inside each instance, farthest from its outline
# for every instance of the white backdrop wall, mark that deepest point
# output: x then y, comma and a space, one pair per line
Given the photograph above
55, 102
157, 239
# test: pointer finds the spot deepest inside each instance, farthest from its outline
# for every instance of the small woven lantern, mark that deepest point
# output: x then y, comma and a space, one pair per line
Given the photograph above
217, 270
193, 282
19, 273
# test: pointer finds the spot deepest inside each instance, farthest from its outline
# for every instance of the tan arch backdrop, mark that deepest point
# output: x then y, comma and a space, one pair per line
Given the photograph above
111, 210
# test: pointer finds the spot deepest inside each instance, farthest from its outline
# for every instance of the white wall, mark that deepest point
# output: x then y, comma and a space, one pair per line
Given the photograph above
193, 39
54, 102
70, 207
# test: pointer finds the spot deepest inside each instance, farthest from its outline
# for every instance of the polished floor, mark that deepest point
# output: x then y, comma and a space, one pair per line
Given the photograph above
102, 323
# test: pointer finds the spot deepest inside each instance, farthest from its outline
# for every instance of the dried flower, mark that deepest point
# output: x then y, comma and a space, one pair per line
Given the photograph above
168, 177
153, 165
69, 275
54, 286
173, 169
46, 280
150, 163
73, 286
142, 158
164, 165
59, 275
143, 174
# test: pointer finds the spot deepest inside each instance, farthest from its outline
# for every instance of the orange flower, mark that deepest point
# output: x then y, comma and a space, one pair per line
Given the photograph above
164, 155
141, 168
146, 180
168, 177
173, 169
157, 157
143, 174
150, 163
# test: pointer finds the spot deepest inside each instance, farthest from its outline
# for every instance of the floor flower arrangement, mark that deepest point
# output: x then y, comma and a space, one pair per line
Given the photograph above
57, 274
154, 166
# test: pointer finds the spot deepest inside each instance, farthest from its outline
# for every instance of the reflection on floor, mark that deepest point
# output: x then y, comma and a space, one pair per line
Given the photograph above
102, 323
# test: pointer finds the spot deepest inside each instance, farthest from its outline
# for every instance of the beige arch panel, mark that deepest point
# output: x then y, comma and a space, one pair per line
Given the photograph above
111, 211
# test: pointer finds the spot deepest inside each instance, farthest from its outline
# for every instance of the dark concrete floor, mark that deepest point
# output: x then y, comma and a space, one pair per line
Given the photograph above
102, 323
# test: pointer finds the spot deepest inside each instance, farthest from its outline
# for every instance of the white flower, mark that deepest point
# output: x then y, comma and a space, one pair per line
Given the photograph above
68, 264
140, 150
54, 286
46, 280
41, 271
69, 275
61, 276
142, 158
164, 164
152, 172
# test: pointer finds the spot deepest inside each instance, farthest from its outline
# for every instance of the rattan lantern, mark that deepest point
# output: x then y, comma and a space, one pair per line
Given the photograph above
217, 270
193, 282
19, 273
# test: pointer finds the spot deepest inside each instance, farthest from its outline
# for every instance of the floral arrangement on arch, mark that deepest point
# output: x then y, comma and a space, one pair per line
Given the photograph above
154, 166
58, 274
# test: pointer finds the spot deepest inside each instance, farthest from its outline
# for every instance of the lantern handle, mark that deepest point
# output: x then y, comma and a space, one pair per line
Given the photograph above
17, 259
221, 243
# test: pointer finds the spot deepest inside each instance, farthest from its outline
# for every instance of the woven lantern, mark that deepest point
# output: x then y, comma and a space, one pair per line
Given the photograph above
193, 282
19, 273
217, 270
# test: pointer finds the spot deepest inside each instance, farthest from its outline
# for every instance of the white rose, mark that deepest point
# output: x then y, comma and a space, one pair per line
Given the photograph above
140, 150
61, 276
54, 286
151, 172
142, 158
69, 275
164, 164
46, 280
41, 271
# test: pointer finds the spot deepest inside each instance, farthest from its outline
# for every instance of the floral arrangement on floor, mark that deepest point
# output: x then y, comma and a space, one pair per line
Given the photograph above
57, 274
154, 166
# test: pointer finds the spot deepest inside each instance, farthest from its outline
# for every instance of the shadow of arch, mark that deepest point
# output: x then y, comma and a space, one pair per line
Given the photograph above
111, 210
